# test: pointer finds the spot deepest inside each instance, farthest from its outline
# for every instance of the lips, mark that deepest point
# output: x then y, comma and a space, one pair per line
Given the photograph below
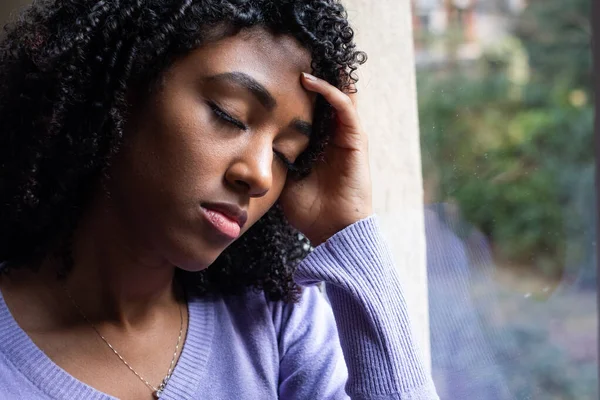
227, 219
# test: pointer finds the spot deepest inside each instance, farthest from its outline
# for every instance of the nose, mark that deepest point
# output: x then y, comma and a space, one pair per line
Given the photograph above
252, 172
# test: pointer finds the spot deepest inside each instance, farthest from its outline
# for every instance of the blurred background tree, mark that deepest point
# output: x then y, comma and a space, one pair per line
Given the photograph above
506, 136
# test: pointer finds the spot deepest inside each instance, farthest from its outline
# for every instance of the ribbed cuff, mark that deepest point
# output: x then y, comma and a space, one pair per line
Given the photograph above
370, 311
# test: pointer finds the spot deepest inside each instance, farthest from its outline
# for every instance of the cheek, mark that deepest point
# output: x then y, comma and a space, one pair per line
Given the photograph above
176, 151
169, 167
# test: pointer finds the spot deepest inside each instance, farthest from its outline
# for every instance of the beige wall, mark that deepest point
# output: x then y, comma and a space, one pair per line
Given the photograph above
388, 107
389, 112
8, 6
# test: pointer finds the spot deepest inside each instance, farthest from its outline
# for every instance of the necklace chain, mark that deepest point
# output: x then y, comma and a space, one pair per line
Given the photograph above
156, 391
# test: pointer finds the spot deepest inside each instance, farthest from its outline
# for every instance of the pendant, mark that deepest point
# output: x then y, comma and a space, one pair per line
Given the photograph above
160, 389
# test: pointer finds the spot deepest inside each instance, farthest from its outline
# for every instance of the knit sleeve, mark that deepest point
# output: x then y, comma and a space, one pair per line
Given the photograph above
370, 312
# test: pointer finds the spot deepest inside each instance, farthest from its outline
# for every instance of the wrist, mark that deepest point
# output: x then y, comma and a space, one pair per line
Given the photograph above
322, 237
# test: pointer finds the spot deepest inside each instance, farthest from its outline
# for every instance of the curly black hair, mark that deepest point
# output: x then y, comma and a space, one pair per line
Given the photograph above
66, 67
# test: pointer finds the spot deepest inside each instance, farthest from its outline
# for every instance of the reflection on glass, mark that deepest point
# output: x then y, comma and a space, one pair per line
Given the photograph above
506, 119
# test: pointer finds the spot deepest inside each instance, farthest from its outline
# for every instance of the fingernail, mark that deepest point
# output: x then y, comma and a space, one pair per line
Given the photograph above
310, 77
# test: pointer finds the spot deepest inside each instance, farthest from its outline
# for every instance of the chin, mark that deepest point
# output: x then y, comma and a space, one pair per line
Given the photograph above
194, 254
196, 262
194, 265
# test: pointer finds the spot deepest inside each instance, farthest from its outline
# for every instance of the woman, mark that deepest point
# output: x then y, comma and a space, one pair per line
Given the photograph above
155, 157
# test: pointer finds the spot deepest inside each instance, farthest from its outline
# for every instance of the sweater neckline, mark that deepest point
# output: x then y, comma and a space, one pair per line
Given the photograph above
57, 383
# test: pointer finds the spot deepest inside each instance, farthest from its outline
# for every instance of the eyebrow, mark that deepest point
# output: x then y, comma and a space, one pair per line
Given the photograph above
303, 127
249, 83
261, 93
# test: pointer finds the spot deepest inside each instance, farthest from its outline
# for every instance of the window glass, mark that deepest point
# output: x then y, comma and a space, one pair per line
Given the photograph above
506, 120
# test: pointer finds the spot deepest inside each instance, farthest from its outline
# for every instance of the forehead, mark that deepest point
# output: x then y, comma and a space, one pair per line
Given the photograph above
276, 61
262, 47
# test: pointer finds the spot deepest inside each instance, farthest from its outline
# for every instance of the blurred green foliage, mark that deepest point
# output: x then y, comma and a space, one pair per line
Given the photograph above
508, 136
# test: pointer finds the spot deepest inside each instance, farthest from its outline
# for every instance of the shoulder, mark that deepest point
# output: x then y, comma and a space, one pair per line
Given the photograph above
254, 314
311, 316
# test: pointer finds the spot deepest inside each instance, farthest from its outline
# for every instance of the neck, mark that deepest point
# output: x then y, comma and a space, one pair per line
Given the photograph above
115, 278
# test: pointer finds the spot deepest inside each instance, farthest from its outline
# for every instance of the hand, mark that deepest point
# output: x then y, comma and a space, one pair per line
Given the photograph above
338, 192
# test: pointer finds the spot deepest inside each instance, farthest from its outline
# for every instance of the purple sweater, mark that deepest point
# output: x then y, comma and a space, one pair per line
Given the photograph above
246, 347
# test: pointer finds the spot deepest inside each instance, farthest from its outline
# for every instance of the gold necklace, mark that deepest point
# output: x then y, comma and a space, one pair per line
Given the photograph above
156, 391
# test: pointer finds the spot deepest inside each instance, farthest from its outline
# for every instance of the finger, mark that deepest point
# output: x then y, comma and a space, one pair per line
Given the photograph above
352, 92
339, 100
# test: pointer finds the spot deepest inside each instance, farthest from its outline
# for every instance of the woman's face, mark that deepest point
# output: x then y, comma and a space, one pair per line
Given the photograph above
205, 156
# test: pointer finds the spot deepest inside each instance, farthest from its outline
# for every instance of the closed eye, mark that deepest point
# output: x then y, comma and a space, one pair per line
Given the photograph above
286, 162
226, 117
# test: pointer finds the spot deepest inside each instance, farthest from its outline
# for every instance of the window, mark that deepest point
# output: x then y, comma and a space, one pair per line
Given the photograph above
506, 118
